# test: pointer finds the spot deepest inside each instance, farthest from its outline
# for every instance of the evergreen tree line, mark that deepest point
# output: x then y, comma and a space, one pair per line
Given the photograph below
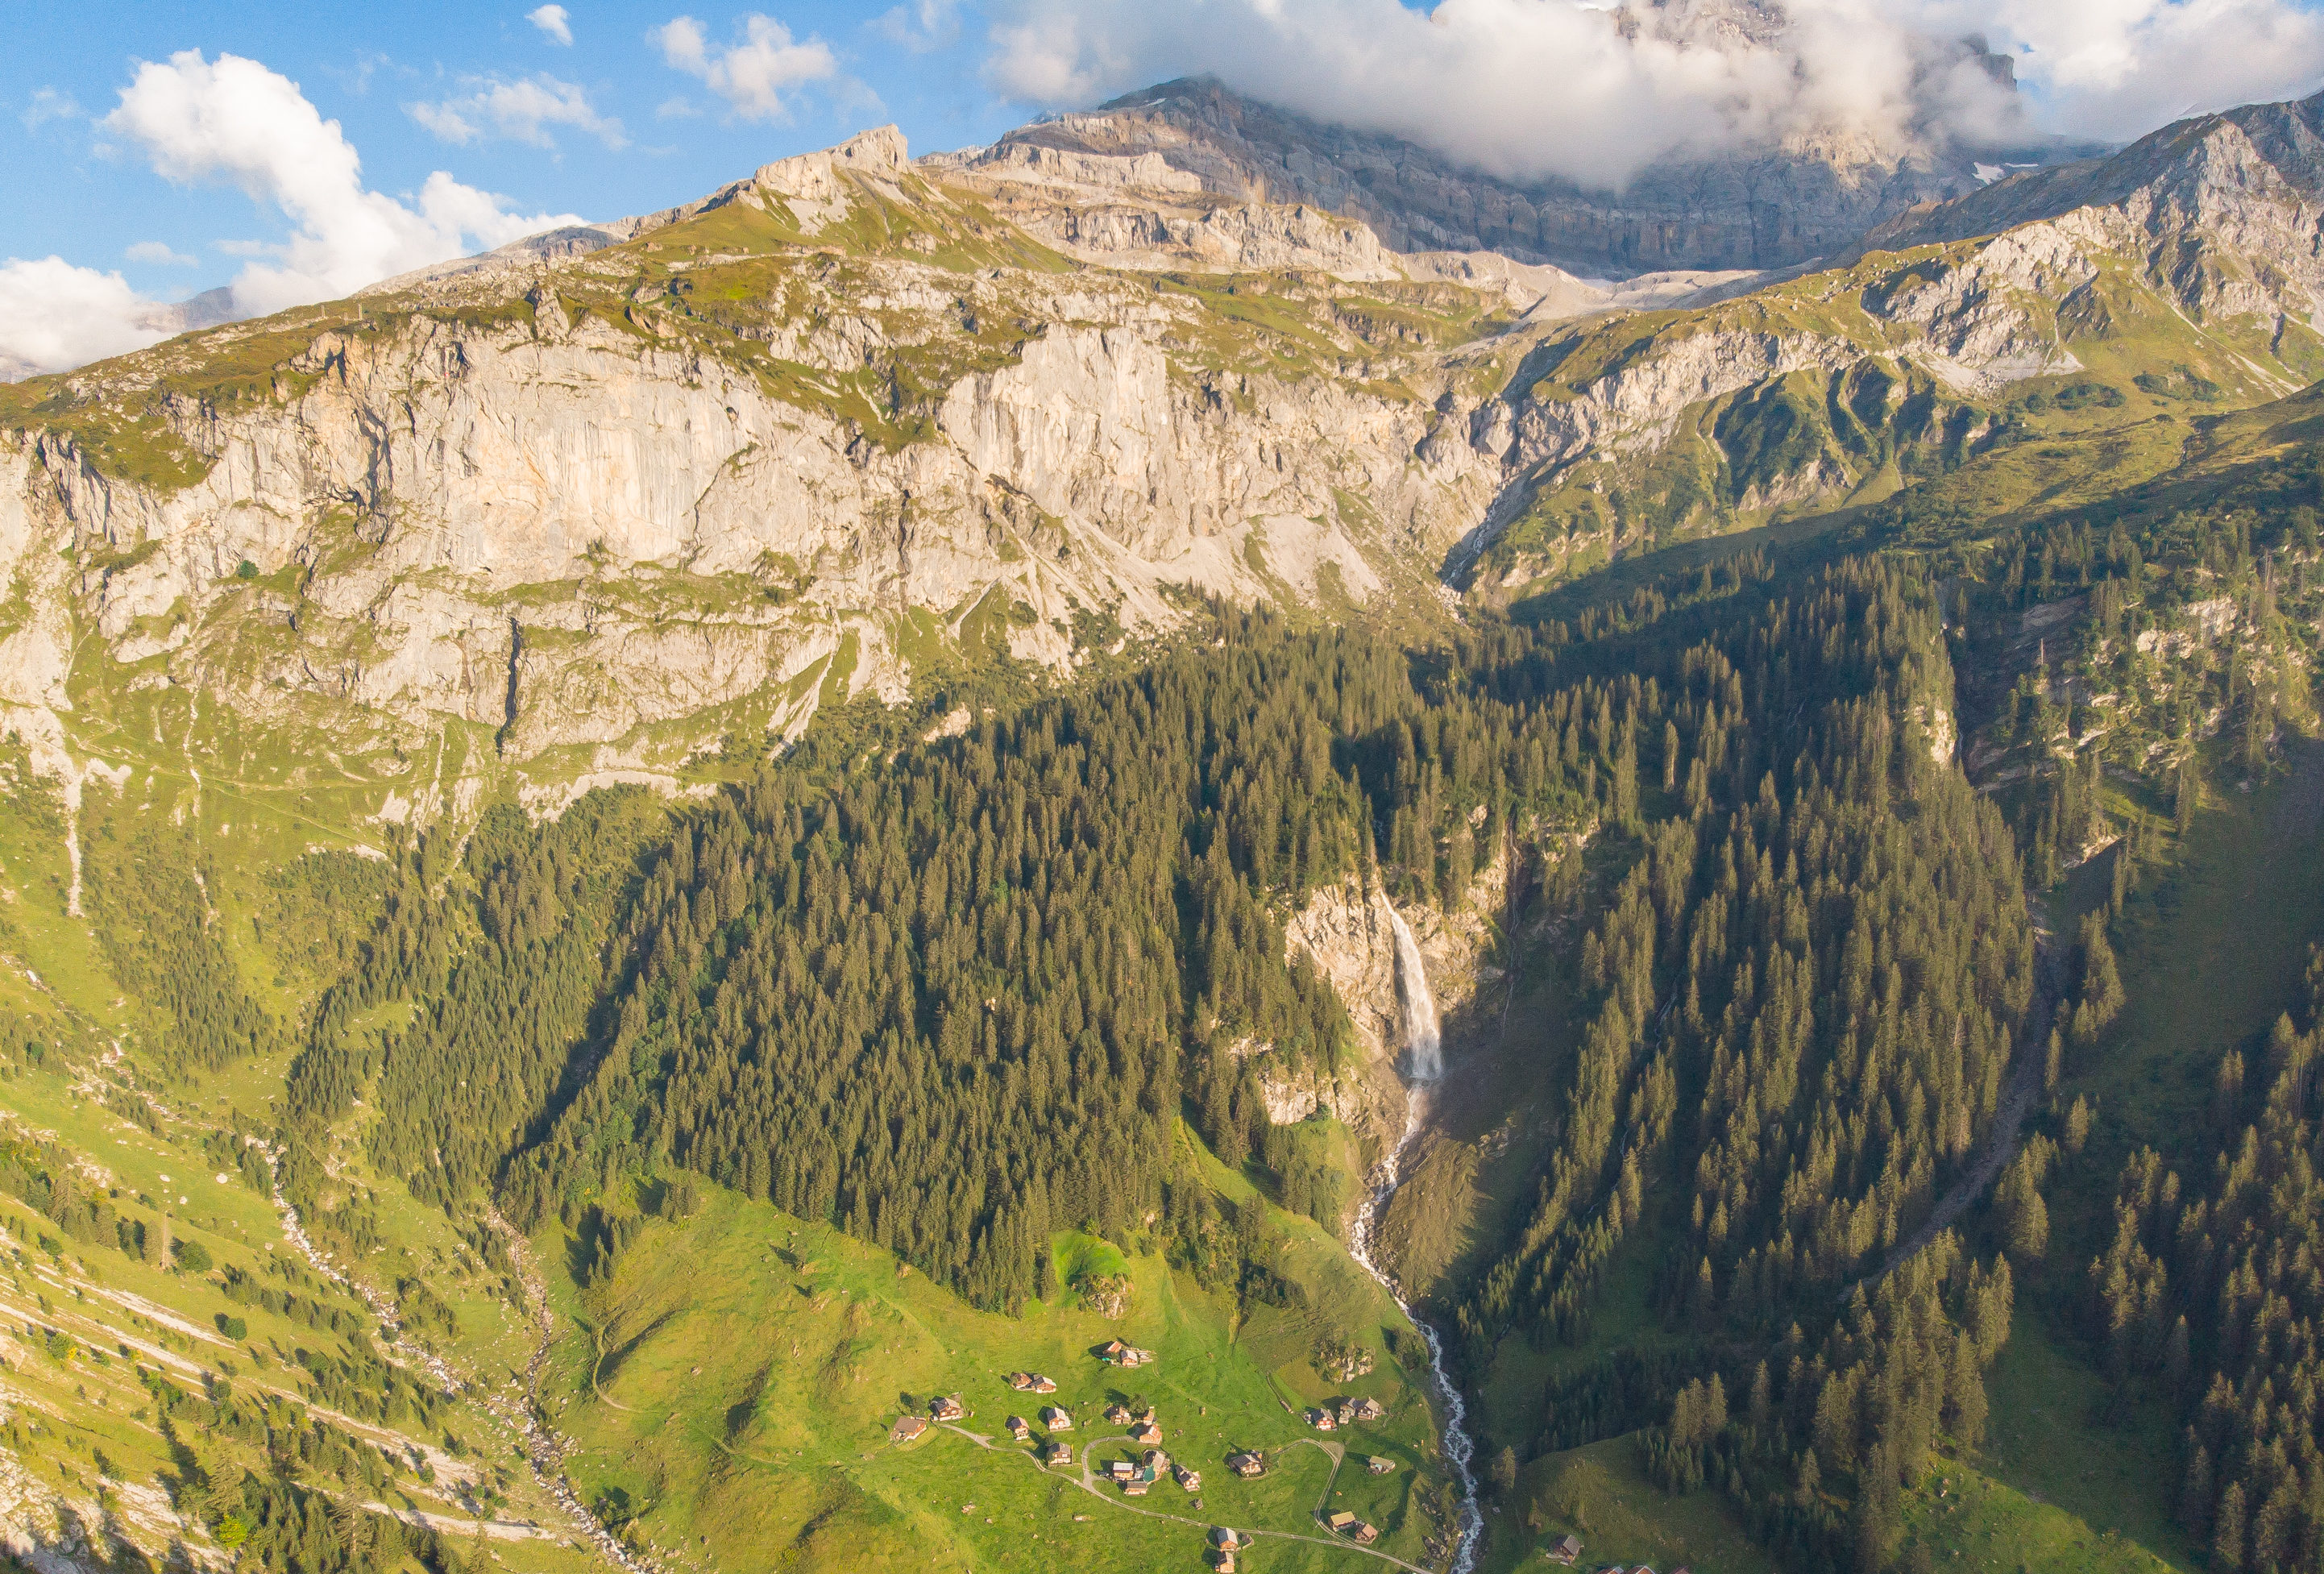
149, 905
952, 1002
2214, 1289
1815, 1444
1802, 994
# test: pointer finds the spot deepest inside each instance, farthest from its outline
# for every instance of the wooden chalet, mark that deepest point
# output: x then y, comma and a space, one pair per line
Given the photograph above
1565, 1549
1364, 1535
1247, 1464
1054, 1419
1019, 1430
948, 1408
1056, 1454
1120, 1471
1147, 1435
1156, 1460
906, 1428
1117, 1415
1366, 1410
1377, 1466
1223, 1561
1321, 1420
1191, 1480
1114, 1353
1020, 1381
1224, 1538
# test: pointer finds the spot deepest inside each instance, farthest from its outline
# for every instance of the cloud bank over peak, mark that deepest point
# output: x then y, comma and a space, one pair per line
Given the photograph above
231, 121
1528, 90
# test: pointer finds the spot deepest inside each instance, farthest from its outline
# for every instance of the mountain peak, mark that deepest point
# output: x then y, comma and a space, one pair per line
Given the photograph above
1769, 207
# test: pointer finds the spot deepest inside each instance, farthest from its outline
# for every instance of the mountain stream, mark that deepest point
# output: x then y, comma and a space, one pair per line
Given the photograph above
1423, 1068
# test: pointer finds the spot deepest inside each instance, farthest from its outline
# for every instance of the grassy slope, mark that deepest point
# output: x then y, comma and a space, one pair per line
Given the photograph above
753, 1364
54, 981
1601, 1493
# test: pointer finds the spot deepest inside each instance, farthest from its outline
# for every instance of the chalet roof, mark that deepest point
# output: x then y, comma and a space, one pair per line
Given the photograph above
906, 1428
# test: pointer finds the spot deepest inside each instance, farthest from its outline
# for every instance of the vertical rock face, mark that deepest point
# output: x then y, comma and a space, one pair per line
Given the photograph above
1349, 930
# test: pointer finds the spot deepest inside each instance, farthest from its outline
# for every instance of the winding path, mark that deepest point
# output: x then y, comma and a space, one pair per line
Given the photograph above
2018, 1097
1087, 1481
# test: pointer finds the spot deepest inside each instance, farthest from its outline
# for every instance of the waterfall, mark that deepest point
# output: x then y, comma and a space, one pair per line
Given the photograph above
1424, 1061
1424, 1042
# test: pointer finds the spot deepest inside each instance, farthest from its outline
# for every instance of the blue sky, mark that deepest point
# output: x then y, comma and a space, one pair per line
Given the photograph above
73, 190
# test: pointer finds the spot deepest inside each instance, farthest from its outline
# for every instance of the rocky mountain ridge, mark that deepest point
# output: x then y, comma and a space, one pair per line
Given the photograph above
1755, 209
862, 426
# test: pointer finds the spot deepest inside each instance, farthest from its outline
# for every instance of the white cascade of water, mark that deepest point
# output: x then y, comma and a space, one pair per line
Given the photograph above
1425, 1057
1424, 1040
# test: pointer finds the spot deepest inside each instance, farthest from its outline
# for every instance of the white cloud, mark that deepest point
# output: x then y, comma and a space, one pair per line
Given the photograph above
521, 110
233, 120
676, 106
554, 21
920, 26
1531, 88
54, 315
159, 253
753, 73
49, 104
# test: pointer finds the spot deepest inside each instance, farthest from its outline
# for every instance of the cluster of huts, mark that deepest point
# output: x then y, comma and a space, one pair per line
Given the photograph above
1135, 1477
1138, 1477
1334, 1414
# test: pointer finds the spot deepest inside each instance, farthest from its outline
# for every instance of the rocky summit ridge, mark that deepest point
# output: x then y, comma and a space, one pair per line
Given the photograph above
639, 502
